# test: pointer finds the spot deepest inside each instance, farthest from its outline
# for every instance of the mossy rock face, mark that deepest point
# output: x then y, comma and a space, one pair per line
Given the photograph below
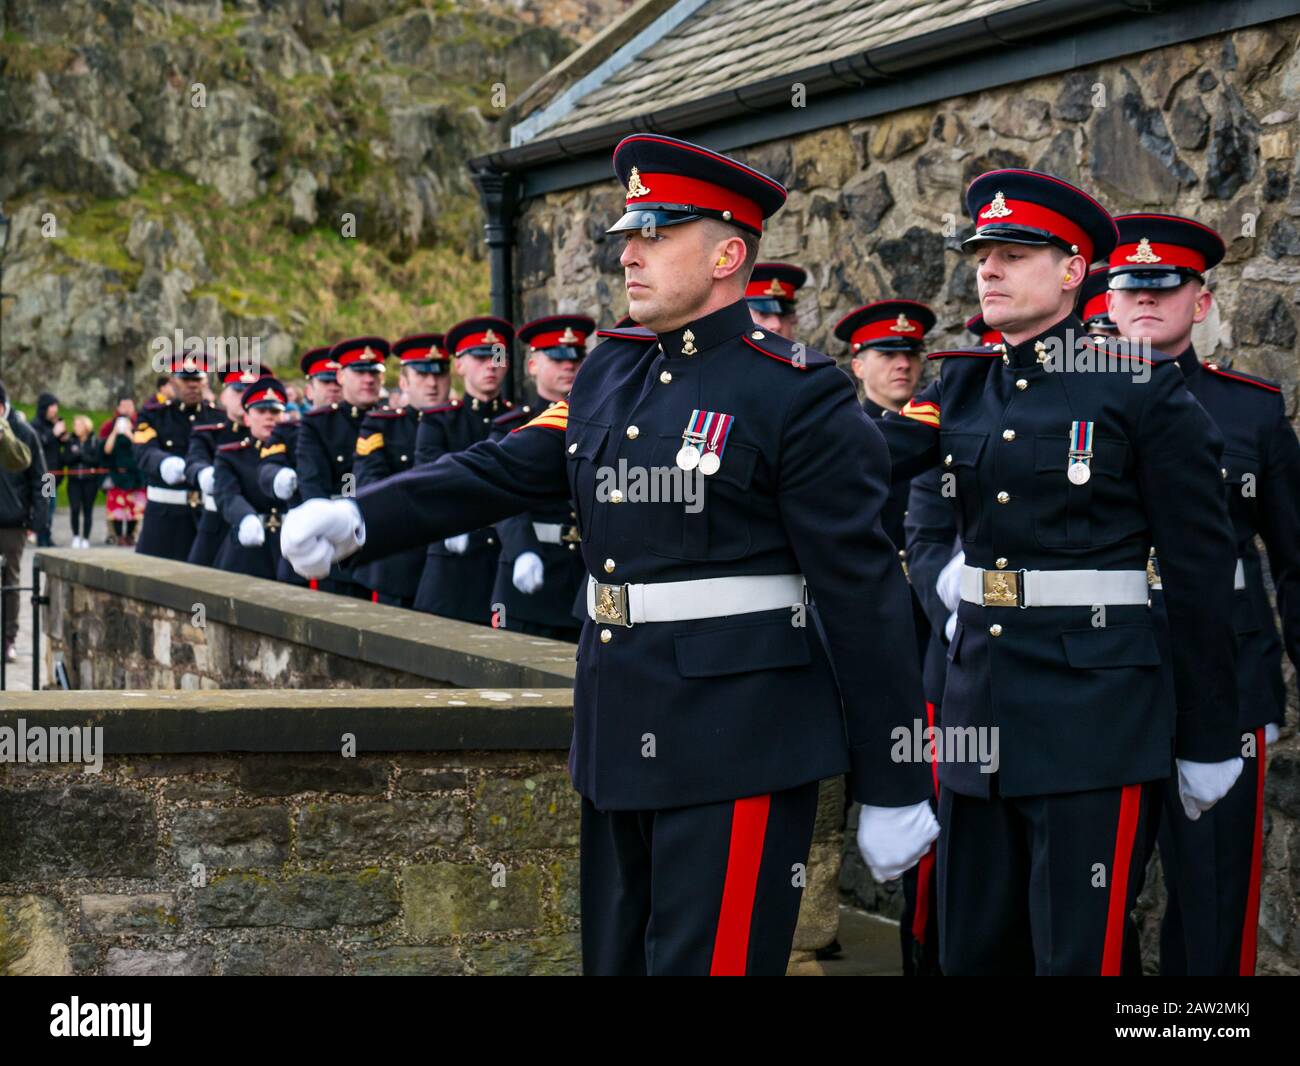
311, 166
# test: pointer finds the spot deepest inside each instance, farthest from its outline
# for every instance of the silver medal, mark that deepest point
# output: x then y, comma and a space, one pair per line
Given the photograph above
709, 463
1078, 473
688, 457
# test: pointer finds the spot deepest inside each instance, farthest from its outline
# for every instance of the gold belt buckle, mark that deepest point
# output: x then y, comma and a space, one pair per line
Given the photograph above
611, 605
1001, 588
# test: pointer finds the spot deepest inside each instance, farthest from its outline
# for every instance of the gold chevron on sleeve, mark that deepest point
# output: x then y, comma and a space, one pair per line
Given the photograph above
366, 445
143, 434
554, 417
924, 411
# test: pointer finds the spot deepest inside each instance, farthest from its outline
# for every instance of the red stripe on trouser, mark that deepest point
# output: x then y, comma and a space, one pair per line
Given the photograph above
374, 596
312, 584
921, 915
1130, 805
1250, 925
744, 856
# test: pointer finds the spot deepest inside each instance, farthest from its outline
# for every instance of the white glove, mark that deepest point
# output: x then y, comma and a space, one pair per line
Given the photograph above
528, 573
1271, 733
206, 477
285, 483
457, 544
172, 470
950, 627
122, 424
893, 839
1202, 784
319, 533
948, 583
250, 533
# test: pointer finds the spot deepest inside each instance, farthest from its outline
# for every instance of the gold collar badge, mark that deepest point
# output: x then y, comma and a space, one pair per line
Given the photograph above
688, 343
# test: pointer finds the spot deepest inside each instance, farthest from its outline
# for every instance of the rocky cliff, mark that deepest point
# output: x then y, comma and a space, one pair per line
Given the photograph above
290, 171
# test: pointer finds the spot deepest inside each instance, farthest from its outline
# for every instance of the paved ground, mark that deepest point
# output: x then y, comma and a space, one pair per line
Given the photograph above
18, 675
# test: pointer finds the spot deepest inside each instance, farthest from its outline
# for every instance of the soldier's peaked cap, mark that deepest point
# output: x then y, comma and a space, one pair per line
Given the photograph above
670, 181
361, 353
268, 392
1162, 251
987, 335
318, 363
423, 351
479, 335
891, 325
772, 287
1026, 207
1092, 299
558, 336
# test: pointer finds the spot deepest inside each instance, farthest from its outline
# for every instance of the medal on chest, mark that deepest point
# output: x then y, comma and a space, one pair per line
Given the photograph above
1080, 469
703, 441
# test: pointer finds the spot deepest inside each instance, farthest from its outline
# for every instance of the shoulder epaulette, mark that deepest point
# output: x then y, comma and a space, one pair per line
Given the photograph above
984, 351
323, 409
1245, 379
1118, 348
234, 445
207, 427
440, 408
387, 412
776, 347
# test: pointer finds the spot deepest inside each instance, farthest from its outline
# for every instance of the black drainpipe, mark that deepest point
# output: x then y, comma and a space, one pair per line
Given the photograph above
499, 193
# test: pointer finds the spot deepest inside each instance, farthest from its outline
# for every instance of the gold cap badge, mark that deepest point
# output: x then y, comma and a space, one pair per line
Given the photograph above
634, 186
902, 325
775, 289
568, 336
997, 208
489, 337
1144, 254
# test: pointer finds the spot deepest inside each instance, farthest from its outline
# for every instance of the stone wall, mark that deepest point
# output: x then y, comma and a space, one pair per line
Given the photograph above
118, 620
196, 857
1206, 129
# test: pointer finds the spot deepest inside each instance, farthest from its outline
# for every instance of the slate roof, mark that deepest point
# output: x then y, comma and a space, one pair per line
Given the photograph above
727, 44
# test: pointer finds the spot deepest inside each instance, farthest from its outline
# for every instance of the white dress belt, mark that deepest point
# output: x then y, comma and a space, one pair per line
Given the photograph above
161, 495
684, 601
209, 502
1238, 578
1053, 588
550, 532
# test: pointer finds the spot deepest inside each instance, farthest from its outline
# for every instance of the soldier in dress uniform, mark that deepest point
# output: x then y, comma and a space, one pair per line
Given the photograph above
886, 340
162, 440
253, 518
327, 435
278, 454
771, 295
541, 570
205, 439
386, 446
321, 371
1093, 307
1068, 463
705, 710
1212, 865
460, 569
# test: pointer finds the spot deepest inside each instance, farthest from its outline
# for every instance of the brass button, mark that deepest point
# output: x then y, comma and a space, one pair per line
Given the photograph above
1224, 468
902, 553
1000, 562
340, 459
1006, 360
572, 547
757, 334
402, 459
1022, 384
573, 447
995, 630
665, 377
609, 566
947, 459
1008, 434
615, 495
606, 636
1004, 497
633, 433
490, 540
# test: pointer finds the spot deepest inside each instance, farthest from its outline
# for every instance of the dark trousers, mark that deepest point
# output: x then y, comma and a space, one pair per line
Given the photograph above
1212, 872
12, 543
706, 890
45, 533
82, 492
1042, 884
918, 926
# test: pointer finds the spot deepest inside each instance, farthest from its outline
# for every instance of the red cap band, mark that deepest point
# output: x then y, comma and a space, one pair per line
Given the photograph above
1150, 253
559, 338
902, 326
258, 395
1024, 213
360, 355
678, 189
322, 366
487, 338
1095, 307
773, 288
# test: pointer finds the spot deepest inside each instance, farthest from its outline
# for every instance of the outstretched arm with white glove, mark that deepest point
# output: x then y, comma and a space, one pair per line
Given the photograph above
893, 839
469, 489
285, 483
172, 470
250, 531
528, 573
206, 479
